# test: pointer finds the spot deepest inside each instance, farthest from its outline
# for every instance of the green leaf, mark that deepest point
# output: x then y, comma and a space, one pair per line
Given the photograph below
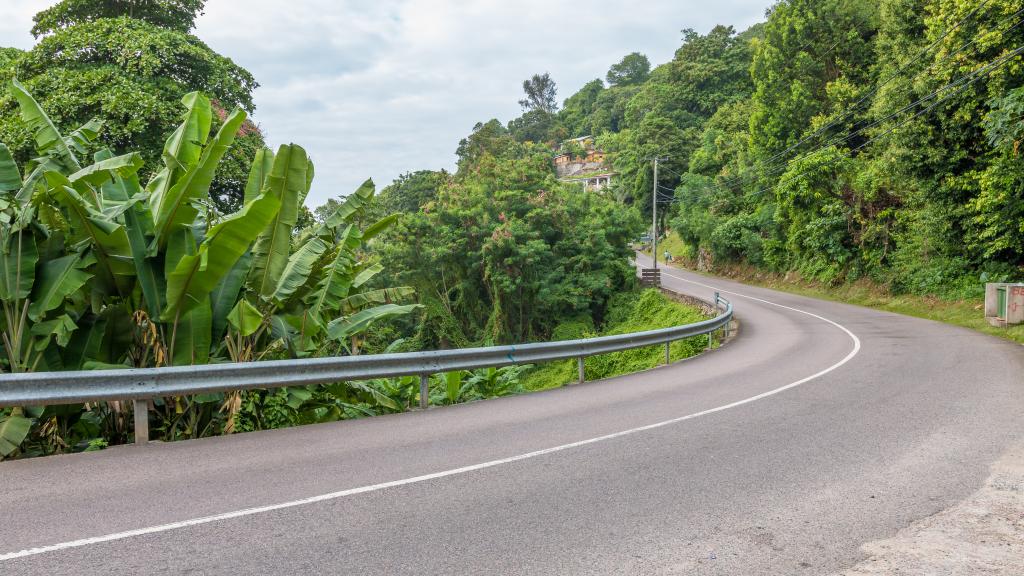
10, 176
62, 327
195, 276
18, 266
245, 318
84, 135
366, 274
14, 429
270, 254
85, 343
225, 295
333, 286
173, 208
193, 335
381, 296
353, 205
342, 328
300, 265
57, 280
379, 226
138, 226
49, 142
258, 172
108, 239
453, 385
105, 170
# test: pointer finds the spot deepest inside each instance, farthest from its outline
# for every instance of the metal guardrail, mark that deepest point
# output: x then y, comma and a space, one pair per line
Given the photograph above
142, 384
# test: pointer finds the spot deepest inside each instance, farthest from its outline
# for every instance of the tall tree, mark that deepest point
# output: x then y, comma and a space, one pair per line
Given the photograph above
540, 93
129, 63
634, 68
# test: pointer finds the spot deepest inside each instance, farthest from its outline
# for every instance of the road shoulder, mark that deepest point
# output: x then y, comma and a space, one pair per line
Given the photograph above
983, 534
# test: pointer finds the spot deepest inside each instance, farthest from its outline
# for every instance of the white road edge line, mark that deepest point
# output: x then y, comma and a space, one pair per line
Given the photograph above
453, 471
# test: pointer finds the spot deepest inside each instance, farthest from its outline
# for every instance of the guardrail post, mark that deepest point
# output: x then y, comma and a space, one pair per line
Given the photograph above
710, 337
579, 365
668, 352
141, 409
424, 390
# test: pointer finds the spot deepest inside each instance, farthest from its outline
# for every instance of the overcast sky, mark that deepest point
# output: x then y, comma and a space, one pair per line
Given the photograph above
375, 88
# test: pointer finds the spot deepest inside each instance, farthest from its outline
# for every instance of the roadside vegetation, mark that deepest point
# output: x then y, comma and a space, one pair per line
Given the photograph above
628, 312
965, 310
869, 148
837, 140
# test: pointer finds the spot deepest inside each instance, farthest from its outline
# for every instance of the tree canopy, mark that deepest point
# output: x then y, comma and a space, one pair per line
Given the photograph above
540, 94
633, 69
129, 63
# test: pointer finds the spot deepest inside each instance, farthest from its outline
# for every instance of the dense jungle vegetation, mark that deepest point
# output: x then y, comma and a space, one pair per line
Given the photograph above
841, 140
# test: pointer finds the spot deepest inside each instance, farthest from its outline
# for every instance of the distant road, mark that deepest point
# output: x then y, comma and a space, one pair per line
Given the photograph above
821, 427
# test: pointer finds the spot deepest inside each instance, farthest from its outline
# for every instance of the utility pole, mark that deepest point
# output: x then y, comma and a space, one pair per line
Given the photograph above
654, 212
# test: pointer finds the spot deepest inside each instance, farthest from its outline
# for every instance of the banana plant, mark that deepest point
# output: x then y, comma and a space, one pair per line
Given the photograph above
98, 270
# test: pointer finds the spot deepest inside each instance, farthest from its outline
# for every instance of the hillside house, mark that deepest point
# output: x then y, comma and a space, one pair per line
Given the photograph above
590, 169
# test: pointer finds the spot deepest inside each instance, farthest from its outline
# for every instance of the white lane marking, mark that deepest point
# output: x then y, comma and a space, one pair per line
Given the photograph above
453, 471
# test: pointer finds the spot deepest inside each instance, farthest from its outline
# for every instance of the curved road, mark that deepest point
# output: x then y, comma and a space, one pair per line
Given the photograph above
821, 427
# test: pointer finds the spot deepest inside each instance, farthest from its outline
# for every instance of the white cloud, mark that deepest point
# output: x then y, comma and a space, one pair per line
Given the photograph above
377, 88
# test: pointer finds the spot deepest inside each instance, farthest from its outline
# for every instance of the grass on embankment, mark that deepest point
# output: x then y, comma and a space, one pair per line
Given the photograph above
966, 312
629, 312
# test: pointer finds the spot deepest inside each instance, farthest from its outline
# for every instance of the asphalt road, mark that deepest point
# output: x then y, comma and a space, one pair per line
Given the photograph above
753, 468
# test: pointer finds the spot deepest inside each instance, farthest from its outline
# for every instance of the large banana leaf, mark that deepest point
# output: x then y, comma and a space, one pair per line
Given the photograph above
104, 170
57, 280
107, 238
31, 184
49, 142
62, 327
245, 318
18, 265
366, 274
10, 176
225, 295
353, 204
258, 172
333, 286
300, 265
192, 335
85, 343
138, 225
286, 182
342, 328
80, 139
379, 226
195, 276
381, 296
14, 427
173, 208
184, 147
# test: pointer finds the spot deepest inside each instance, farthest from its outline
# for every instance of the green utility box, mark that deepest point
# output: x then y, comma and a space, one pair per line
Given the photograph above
1004, 303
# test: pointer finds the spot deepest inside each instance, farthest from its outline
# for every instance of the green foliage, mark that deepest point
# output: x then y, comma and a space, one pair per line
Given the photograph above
128, 64
633, 69
631, 311
506, 251
97, 271
540, 92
